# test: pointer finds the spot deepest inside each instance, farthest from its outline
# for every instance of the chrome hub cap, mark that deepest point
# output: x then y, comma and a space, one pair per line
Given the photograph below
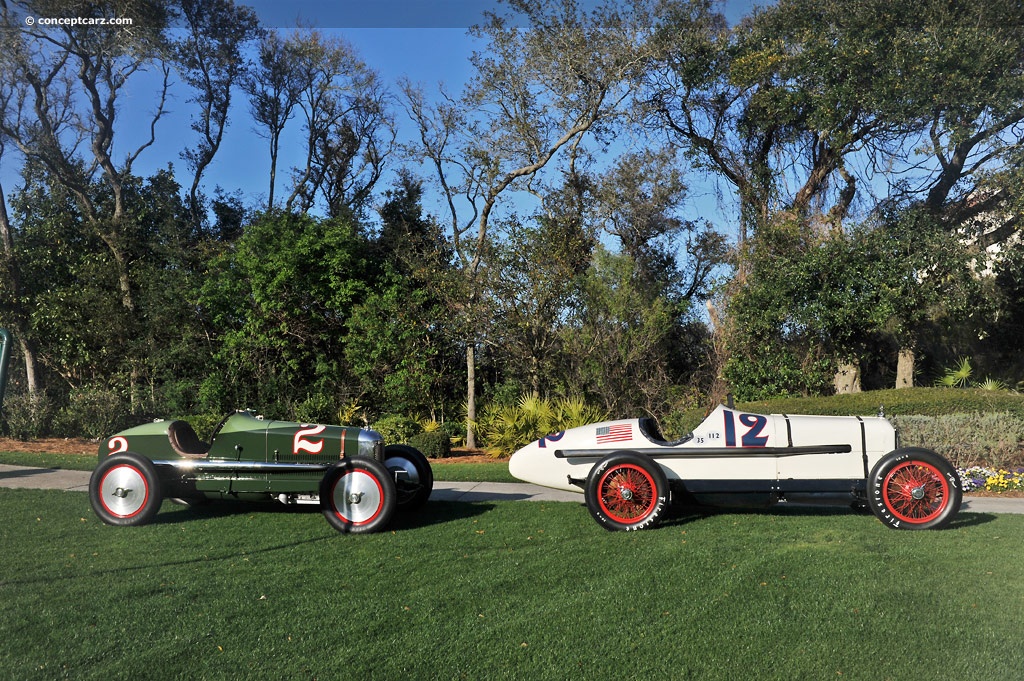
357, 497
124, 491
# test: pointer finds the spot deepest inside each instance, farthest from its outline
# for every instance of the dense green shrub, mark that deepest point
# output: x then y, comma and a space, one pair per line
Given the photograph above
395, 428
994, 439
434, 445
91, 412
316, 408
204, 424
507, 428
27, 416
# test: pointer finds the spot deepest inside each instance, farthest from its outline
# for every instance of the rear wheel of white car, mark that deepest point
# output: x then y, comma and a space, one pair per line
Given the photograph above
914, 489
357, 496
626, 491
412, 474
124, 489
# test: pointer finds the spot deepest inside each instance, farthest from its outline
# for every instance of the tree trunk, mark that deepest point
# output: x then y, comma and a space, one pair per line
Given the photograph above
29, 353
20, 314
905, 368
470, 396
847, 379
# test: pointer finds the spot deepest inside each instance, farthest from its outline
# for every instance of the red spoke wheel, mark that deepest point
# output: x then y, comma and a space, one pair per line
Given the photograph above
626, 491
914, 489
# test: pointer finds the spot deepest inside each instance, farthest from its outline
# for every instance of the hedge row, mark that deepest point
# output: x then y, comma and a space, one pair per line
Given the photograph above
970, 427
907, 402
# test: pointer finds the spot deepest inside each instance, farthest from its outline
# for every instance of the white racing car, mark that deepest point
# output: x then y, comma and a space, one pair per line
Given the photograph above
629, 475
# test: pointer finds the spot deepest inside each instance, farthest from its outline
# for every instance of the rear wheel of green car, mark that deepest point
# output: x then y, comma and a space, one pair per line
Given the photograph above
124, 489
412, 474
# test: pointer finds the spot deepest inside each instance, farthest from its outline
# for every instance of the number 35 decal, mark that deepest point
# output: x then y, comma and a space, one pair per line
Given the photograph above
754, 423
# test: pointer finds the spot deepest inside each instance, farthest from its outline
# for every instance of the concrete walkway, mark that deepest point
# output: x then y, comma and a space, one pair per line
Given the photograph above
78, 481
43, 478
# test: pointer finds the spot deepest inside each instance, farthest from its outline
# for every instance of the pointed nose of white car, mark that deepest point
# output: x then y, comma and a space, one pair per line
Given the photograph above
538, 463
524, 464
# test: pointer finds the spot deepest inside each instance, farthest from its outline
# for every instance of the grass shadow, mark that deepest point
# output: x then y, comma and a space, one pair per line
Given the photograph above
686, 514
431, 513
438, 513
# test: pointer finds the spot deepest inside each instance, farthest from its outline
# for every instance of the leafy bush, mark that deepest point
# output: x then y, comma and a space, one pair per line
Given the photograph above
395, 428
91, 412
966, 439
316, 408
204, 424
28, 416
507, 428
434, 445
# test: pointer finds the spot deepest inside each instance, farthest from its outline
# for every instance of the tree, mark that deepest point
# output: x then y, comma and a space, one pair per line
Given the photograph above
274, 89
43, 70
639, 201
349, 129
83, 334
536, 278
618, 341
803, 106
276, 304
399, 347
536, 93
210, 61
16, 312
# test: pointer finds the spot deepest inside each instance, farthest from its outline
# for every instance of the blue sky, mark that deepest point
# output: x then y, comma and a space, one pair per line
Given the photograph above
424, 40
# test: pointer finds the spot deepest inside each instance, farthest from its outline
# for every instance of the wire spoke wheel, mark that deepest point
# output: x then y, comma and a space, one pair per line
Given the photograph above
916, 492
627, 493
914, 489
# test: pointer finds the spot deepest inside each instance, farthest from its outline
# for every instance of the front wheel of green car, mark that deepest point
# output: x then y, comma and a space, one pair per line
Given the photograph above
358, 496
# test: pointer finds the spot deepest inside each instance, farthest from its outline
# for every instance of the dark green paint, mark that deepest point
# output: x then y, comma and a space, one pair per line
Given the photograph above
243, 439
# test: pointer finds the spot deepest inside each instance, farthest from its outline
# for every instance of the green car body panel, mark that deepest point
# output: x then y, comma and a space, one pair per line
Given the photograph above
248, 458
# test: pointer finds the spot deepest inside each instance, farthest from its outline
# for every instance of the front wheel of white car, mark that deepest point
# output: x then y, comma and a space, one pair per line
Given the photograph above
914, 489
626, 491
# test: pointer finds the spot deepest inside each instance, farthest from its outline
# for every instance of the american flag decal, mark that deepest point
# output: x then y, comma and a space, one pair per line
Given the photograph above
617, 433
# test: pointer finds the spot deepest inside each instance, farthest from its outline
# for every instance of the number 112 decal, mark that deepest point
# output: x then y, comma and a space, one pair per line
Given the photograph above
754, 423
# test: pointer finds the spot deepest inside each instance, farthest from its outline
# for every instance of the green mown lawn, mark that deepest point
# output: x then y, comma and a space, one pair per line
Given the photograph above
522, 590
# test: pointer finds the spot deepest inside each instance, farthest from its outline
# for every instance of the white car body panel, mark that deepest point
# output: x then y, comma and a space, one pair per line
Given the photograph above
727, 445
